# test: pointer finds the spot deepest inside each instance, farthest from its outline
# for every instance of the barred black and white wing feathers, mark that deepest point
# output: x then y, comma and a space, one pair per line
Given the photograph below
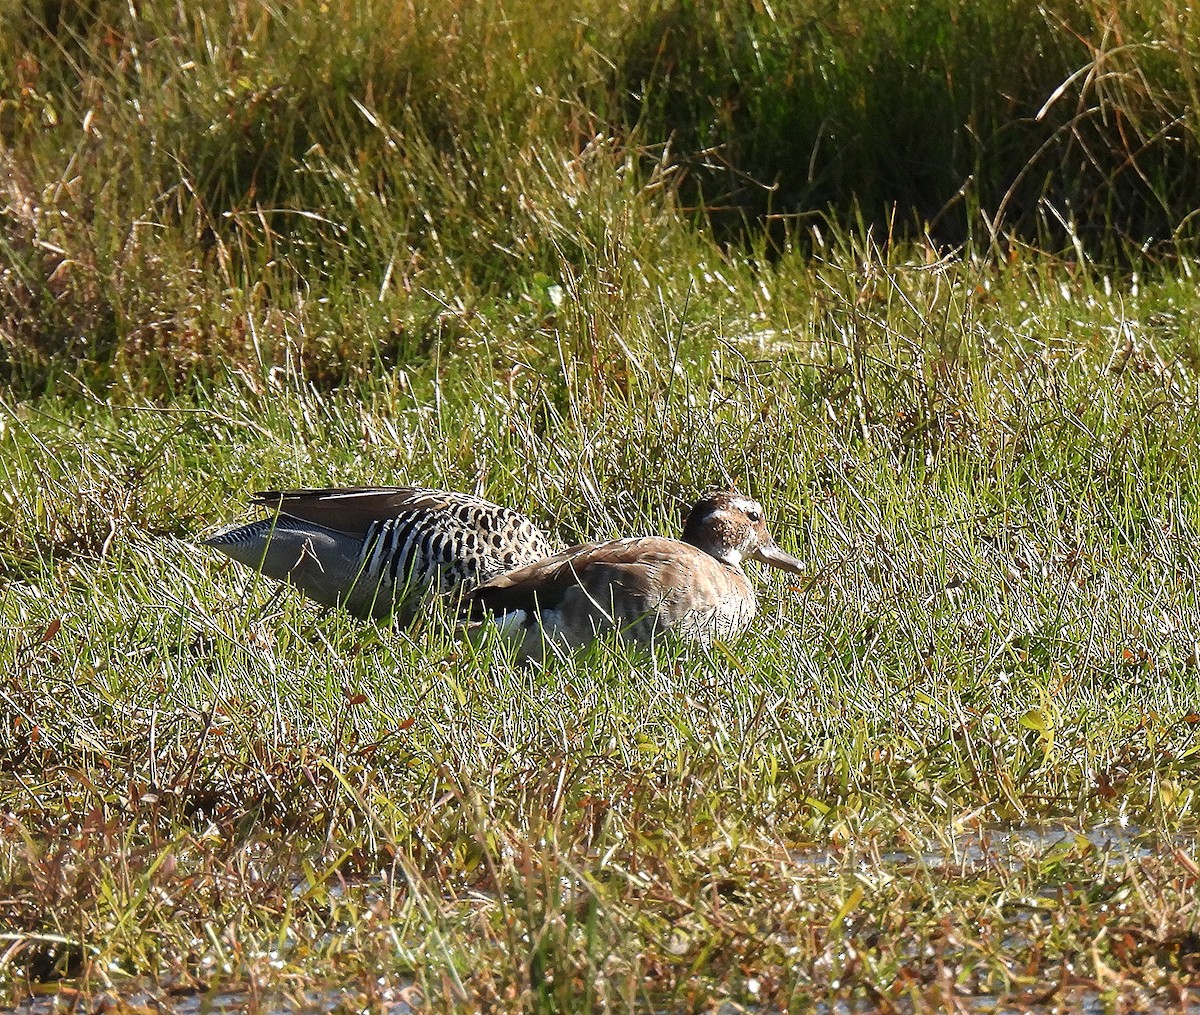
382, 550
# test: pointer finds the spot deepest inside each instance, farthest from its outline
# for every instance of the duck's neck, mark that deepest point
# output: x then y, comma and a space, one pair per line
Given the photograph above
730, 556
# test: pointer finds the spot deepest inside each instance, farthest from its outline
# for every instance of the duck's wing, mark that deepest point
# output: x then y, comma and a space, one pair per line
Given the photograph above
626, 568
354, 509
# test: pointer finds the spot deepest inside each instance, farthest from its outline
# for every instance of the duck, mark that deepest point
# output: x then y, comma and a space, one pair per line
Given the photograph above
379, 551
643, 589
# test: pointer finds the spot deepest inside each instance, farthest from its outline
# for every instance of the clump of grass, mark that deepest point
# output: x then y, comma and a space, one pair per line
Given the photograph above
971, 122
356, 186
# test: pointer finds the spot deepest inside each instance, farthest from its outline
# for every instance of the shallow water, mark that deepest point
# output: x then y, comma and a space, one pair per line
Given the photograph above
1007, 846
1076, 1002
220, 1002
1081, 1001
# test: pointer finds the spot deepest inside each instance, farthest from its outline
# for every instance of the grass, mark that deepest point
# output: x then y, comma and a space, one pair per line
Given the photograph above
209, 785
361, 180
953, 765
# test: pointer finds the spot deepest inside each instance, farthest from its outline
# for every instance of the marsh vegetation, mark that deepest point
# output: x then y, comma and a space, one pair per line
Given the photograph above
925, 285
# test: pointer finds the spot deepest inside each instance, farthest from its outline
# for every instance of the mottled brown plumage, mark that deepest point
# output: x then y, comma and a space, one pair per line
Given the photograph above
640, 589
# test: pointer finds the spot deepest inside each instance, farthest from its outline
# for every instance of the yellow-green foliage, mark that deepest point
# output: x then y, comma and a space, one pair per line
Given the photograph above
356, 167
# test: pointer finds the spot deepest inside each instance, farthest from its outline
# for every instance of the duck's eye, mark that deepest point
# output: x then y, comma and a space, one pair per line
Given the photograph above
754, 516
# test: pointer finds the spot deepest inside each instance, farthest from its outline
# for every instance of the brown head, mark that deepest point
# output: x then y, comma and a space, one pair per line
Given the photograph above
730, 527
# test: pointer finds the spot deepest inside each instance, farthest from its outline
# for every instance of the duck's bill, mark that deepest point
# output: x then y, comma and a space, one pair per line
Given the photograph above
776, 557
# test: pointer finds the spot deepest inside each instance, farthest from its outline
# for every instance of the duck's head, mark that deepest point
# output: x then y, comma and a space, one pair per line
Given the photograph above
730, 527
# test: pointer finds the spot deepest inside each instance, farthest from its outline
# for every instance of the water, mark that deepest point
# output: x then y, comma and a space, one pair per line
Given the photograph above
1076, 1001
1013, 849
1004, 846
220, 1002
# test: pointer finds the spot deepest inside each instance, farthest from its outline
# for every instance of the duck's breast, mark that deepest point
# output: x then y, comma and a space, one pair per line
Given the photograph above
702, 598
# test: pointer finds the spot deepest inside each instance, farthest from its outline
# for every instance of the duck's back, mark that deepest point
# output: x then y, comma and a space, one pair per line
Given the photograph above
642, 588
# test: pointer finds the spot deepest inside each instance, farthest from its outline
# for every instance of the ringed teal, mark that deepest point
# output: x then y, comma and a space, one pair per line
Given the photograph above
641, 589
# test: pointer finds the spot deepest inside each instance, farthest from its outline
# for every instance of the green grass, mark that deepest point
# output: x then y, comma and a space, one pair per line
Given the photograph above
998, 509
359, 181
256, 247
